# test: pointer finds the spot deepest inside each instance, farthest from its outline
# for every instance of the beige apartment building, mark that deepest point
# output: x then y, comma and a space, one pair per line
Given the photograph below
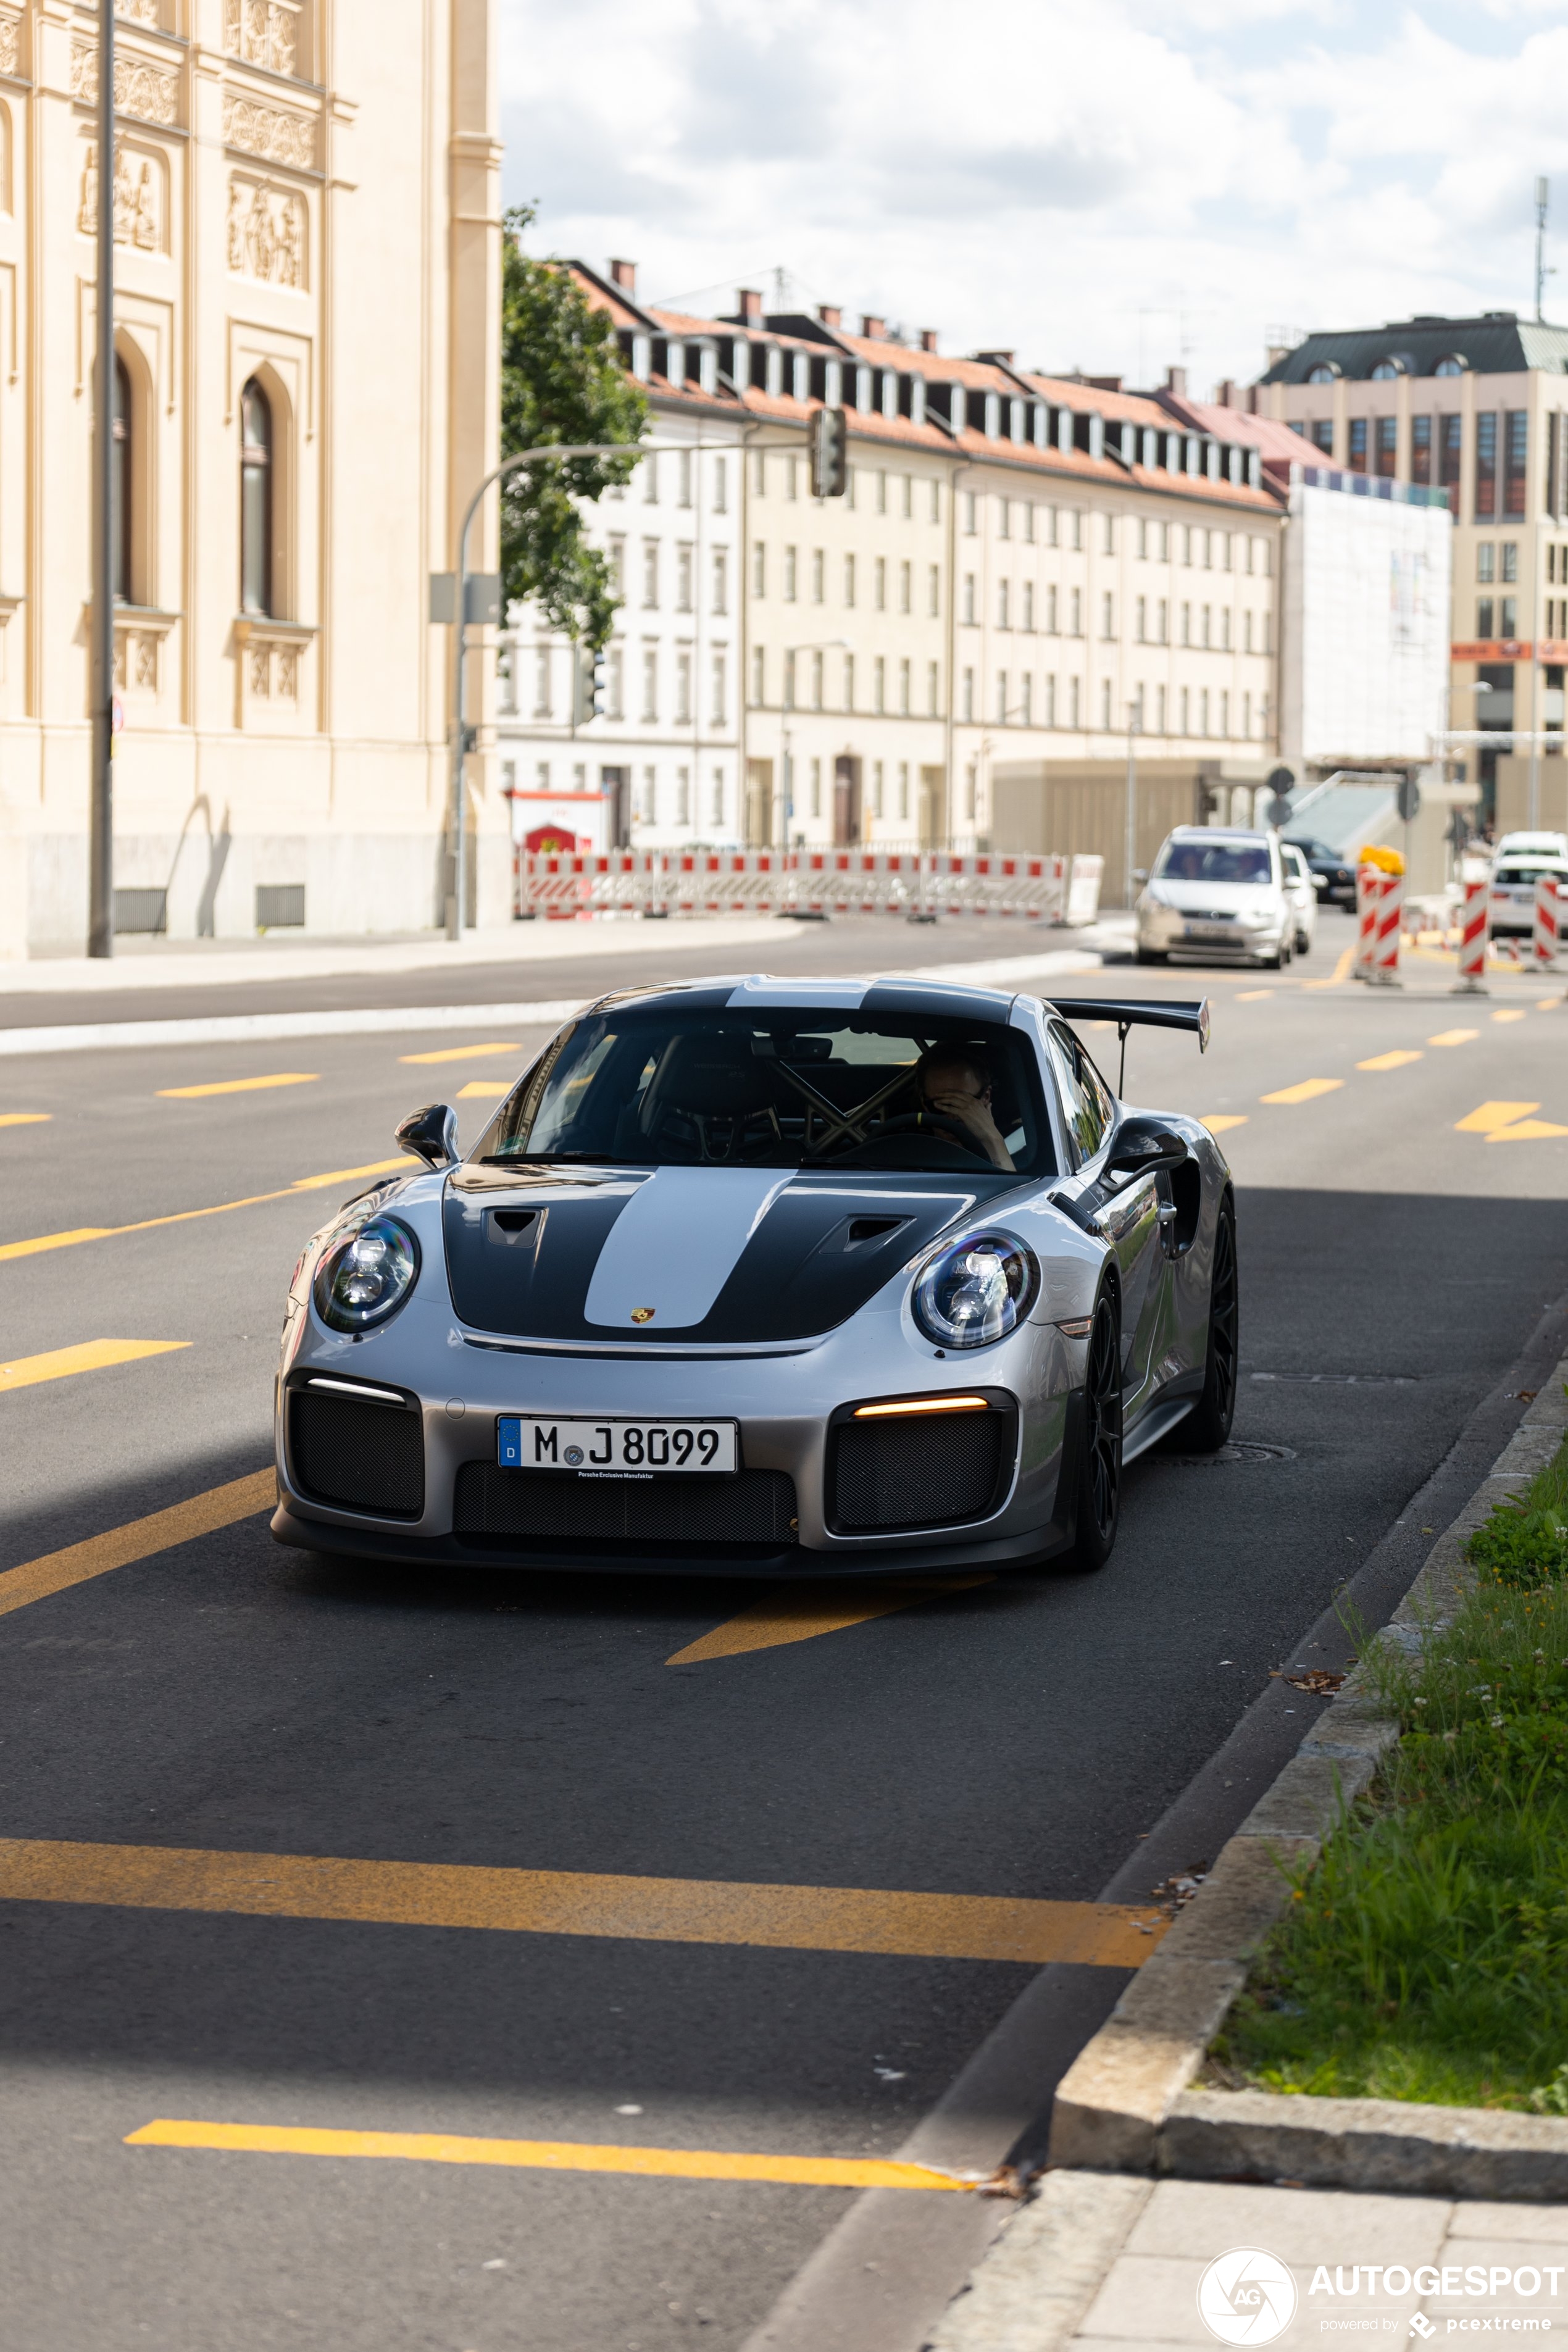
1478, 408
306, 225
953, 653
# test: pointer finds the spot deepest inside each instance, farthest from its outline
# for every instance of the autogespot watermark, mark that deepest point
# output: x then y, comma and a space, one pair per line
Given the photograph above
1249, 2296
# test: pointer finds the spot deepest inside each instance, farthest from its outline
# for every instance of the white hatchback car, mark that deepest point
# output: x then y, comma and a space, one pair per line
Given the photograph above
1219, 893
1510, 902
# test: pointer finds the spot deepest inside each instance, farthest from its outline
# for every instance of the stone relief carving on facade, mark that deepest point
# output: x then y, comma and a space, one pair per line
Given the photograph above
137, 191
266, 232
268, 132
140, 12
9, 31
141, 88
262, 32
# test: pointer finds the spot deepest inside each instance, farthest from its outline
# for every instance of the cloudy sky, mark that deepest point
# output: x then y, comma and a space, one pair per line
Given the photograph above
1110, 184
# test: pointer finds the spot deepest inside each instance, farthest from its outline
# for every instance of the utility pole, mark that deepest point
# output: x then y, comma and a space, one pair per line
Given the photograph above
1542, 191
101, 824
1131, 844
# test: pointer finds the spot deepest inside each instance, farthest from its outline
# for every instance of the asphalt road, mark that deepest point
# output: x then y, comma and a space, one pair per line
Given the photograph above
1018, 1738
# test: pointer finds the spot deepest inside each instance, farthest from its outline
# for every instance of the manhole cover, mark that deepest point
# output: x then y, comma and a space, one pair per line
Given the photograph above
1238, 1450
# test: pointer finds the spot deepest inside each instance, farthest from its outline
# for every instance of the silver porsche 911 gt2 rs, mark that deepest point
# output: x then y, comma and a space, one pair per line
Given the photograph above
770, 1277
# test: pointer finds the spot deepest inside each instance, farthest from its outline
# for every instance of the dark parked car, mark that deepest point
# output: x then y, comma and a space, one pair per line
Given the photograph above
1333, 880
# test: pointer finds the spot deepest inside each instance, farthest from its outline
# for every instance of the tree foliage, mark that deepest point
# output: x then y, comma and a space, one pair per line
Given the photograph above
561, 382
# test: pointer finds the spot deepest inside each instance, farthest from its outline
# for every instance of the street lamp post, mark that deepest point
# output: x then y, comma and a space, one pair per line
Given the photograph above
458, 593
1131, 810
100, 823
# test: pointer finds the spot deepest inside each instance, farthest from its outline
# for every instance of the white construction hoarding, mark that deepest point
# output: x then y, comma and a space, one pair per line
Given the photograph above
1364, 628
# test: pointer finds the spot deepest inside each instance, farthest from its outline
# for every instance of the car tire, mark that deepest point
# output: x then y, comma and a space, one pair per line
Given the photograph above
1152, 955
1207, 1427
1097, 1502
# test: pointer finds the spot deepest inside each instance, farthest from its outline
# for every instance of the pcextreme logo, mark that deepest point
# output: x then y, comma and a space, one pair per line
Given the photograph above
1246, 2297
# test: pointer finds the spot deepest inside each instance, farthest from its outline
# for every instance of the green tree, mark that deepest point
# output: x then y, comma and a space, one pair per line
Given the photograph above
563, 381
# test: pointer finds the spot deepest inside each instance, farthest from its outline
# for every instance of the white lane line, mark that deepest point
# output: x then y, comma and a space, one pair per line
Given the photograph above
373, 1020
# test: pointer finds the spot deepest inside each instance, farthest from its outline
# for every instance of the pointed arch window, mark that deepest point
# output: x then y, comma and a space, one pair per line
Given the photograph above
256, 471
121, 460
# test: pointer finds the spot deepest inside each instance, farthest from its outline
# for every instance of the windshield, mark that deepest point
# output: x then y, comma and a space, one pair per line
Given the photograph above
786, 1088
1531, 872
1212, 861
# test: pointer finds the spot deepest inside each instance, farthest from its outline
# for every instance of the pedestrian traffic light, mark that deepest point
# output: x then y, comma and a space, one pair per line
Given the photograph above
829, 454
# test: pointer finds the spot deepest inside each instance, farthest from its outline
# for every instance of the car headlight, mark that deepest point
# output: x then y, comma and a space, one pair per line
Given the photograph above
365, 1277
976, 1291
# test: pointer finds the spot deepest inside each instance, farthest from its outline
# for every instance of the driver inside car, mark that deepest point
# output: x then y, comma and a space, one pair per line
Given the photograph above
955, 1086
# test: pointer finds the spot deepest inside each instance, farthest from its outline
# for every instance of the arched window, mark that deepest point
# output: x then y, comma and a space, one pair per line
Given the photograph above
1450, 366
1386, 370
121, 461
254, 500
1321, 374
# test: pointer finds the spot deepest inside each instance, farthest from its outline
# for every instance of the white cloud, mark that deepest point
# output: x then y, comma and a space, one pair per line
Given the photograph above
1090, 186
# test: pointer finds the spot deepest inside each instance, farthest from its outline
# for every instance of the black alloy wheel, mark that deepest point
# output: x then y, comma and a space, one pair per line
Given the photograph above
1208, 1426
1099, 1445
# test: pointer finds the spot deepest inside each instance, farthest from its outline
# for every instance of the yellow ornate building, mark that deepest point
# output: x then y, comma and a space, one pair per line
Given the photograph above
306, 203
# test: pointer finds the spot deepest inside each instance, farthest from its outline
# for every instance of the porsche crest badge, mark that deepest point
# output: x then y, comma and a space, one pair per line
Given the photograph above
642, 1314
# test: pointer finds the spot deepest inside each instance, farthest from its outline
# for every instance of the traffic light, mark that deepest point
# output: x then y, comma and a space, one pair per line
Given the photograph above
829, 454
1409, 797
589, 674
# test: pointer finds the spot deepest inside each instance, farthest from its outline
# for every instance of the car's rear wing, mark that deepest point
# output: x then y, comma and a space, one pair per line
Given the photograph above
1154, 1013
1145, 1013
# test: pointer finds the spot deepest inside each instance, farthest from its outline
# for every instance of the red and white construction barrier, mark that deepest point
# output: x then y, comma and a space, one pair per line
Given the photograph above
1473, 938
561, 886
1550, 912
1379, 905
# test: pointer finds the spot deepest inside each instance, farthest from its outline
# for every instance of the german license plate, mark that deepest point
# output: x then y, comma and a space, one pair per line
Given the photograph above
1208, 930
617, 1449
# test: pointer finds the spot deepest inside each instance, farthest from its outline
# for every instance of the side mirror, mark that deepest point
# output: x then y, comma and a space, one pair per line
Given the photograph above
1140, 1148
1140, 874
431, 1134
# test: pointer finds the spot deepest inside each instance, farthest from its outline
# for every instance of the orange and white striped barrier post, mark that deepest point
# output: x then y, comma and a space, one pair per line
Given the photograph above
1384, 972
1368, 894
1548, 916
1473, 940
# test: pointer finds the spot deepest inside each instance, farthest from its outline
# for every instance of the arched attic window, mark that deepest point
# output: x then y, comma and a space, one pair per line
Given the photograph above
1451, 365
1321, 374
121, 460
255, 455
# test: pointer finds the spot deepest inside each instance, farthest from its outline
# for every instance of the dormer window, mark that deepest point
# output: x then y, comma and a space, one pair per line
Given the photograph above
992, 416
1452, 365
1321, 374
1386, 371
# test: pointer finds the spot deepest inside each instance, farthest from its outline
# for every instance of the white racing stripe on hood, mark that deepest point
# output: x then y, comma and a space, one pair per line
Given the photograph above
676, 1244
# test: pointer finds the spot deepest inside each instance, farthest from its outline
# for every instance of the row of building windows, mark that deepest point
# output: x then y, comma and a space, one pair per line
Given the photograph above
663, 472
1202, 625
258, 475
680, 708
1013, 701
686, 559
1437, 452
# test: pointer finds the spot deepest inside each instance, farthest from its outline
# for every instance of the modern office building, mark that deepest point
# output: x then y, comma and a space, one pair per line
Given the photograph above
1478, 408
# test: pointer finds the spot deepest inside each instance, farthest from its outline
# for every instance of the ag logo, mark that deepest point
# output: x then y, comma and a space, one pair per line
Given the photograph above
642, 1314
1246, 2297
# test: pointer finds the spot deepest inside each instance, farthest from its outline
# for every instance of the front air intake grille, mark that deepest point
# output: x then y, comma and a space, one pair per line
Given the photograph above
362, 1457
926, 1472
753, 1512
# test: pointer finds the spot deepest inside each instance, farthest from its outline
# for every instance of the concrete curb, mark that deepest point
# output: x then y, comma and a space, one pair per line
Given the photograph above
1126, 2104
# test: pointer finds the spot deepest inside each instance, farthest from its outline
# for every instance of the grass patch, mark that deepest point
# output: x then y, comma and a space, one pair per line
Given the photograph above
1425, 1957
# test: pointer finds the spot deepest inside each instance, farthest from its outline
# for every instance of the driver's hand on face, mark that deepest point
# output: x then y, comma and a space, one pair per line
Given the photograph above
958, 1095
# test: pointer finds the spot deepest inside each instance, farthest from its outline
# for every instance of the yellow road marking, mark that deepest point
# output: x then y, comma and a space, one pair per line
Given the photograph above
183, 1216
1216, 1122
1252, 995
90, 1356
1308, 1090
1548, 1003
484, 1090
241, 1086
1022, 1928
1491, 1116
460, 1053
56, 1571
547, 2155
802, 1614
1340, 973
1394, 1061
1454, 1037
1514, 1013
24, 1118
1528, 1130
